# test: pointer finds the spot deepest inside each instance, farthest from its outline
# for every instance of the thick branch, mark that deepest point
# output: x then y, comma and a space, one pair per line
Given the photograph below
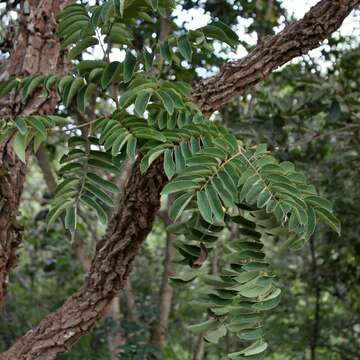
109, 271
296, 39
35, 50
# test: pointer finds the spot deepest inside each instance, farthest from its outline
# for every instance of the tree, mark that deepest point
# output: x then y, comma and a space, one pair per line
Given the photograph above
36, 51
133, 218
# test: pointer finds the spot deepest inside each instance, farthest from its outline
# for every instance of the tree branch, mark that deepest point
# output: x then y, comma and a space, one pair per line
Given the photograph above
109, 271
26, 59
296, 39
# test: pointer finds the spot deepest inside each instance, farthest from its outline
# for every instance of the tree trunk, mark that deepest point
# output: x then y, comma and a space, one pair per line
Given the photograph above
12, 177
159, 329
35, 50
109, 271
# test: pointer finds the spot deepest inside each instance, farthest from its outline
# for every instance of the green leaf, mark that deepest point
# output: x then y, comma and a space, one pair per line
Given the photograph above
169, 164
85, 66
71, 219
119, 35
166, 100
38, 140
129, 66
131, 149
34, 83
201, 328
215, 335
230, 34
179, 206
204, 206
165, 52
21, 125
110, 73
311, 224
101, 195
256, 348
214, 31
263, 198
329, 219
319, 202
51, 80
215, 203
56, 211
155, 154
179, 185
127, 98
121, 138
19, 145
101, 213
74, 88
185, 47
82, 45
105, 184
71, 39
142, 101
7, 86
64, 82
37, 122
103, 165
148, 59
149, 133
85, 95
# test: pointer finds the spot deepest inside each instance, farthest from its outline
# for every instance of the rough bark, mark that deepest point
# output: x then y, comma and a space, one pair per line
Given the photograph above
159, 329
133, 219
12, 177
35, 50
296, 39
109, 271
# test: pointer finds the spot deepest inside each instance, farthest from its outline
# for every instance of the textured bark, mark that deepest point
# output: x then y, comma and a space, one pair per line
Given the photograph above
296, 39
12, 177
159, 329
133, 218
109, 271
35, 50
